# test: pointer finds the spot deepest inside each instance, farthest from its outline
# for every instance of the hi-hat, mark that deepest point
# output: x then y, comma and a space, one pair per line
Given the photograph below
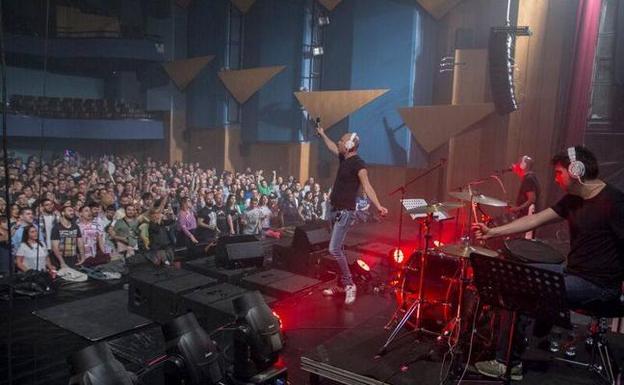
461, 250
478, 198
434, 208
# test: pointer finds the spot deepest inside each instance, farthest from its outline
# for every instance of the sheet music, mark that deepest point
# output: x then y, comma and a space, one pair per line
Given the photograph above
413, 203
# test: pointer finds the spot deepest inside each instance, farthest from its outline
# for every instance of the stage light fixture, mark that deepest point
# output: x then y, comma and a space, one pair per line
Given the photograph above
398, 256
323, 21
363, 265
317, 51
96, 365
257, 339
193, 357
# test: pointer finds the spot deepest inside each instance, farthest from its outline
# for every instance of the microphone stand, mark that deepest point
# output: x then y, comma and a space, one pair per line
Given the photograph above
403, 188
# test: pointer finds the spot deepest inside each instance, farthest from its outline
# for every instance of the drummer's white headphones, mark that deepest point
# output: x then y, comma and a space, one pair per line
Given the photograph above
350, 143
576, 168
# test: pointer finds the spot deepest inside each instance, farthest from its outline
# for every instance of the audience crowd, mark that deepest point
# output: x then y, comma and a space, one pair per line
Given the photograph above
71, 211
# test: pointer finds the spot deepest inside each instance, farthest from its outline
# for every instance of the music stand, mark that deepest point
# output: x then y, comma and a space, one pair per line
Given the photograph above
521, 288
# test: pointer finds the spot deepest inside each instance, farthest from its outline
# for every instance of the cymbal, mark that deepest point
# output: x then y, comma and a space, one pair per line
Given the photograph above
478, 198
461, 250
435, 208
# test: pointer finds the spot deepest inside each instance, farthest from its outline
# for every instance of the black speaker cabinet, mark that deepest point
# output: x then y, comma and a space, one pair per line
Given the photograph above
312, 237
239, 250
501, 57
157, 294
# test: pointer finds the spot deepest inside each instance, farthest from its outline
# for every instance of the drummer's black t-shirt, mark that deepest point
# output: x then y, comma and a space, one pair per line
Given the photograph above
347, 183
596, 236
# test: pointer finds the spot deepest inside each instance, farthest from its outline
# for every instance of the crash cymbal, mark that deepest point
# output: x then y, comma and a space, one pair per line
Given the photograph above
478, 198
441, 207
464, 251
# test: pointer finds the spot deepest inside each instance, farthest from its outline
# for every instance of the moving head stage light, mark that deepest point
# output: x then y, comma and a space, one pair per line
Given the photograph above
257, 342
193, 357
96, 365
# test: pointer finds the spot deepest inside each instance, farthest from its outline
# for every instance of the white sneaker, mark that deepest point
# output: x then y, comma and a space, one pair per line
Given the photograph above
331, 291
350, 293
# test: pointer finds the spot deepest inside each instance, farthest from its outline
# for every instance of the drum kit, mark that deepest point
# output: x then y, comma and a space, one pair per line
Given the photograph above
436, 293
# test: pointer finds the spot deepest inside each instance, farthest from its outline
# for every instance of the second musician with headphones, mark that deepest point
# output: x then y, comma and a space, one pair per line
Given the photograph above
351, 175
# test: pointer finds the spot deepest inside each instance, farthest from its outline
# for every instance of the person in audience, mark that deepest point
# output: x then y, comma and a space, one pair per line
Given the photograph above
126, 233
240, 201
233, 214
107, 224
251, 220
160, 244
306, 208
4, 246
220, 214
267, 214
32, 254
187, 224
14, 213
25, 219
67, 244
207, 229
92, 236
289, 209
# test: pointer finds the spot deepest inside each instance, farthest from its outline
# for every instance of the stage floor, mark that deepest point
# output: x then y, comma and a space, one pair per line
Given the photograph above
322, 329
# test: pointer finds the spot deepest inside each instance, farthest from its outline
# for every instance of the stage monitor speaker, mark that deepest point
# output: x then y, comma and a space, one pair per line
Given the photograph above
239, 250
311, 237
501, 59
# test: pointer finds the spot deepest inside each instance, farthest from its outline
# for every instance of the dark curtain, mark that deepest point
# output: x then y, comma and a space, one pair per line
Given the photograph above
619, 45
586, 34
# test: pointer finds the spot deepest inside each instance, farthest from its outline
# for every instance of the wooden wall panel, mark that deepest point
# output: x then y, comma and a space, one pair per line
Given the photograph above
207, 147
535, 128
541, 68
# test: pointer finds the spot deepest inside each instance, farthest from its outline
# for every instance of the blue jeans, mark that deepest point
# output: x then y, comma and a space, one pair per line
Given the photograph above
341, 221
579, 292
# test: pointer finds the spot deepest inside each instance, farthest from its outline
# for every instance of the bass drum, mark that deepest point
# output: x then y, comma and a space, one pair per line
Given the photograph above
440, 288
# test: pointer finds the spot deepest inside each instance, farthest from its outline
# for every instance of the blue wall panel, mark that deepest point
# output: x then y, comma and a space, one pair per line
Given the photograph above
30, 82
273, 36
207, 36
18, 125
387, 50
87, 48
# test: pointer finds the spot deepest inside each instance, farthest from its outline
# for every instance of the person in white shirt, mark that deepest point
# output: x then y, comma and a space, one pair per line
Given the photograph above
47, 220
252, 218
32, 254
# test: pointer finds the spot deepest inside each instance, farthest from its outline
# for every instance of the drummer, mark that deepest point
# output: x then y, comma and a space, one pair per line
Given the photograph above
594, 211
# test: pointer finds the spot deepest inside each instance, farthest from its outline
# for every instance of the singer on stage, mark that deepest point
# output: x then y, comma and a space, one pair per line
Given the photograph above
350, 176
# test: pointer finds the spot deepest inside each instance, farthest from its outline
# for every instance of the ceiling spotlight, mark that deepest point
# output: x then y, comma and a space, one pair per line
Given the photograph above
323, 21
317, 51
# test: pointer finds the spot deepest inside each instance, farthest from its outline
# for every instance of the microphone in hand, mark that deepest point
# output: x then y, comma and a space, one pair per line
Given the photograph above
317, 126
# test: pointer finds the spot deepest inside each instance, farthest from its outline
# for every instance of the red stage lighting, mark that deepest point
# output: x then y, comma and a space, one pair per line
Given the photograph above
363, 265
398, 256
279, 320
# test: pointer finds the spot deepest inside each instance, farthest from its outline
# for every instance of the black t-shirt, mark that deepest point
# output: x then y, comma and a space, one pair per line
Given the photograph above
221, 214
159, 236
67, 237
203, 233
347, 183
596, 236
529, 183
